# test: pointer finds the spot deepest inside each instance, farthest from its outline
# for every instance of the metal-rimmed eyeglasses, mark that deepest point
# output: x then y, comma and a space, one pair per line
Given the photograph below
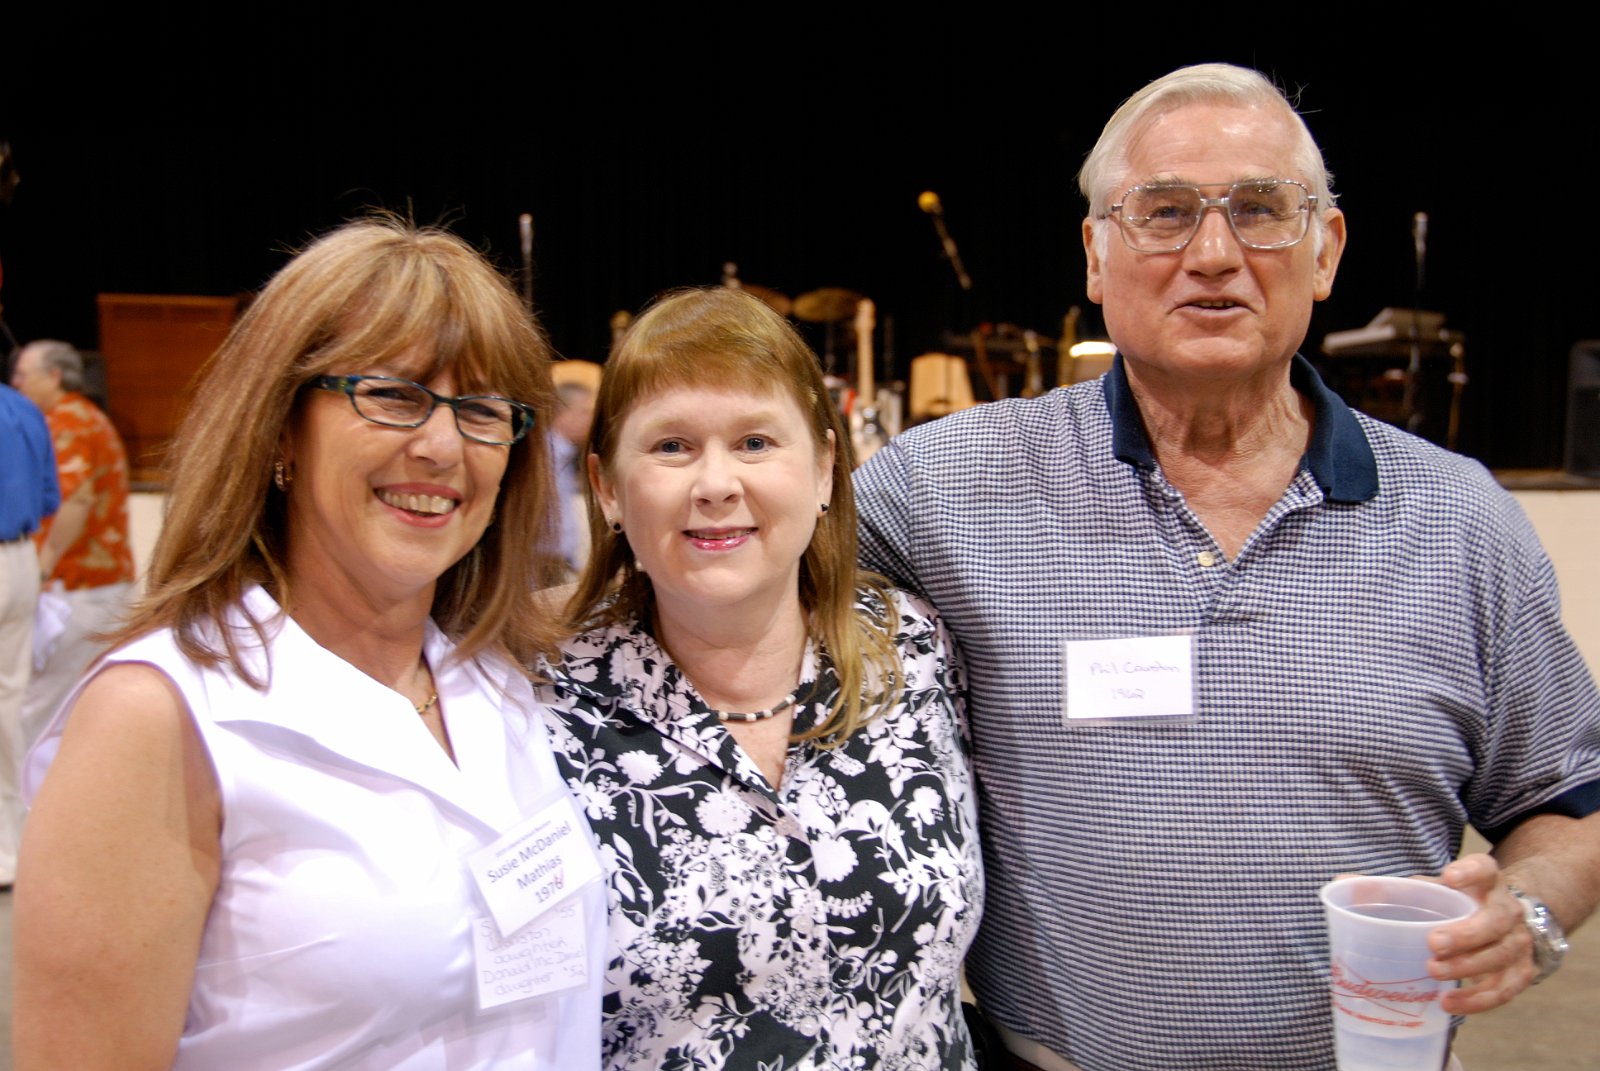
400, 403
1263, 214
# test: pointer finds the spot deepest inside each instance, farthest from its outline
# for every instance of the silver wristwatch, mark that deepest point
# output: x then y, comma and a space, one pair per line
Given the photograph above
1549, 940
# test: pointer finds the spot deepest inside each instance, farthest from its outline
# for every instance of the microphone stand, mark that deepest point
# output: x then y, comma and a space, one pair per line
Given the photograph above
1419, 238
525, 232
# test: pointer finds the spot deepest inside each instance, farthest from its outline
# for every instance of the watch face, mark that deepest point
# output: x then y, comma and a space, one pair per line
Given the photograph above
1549, 942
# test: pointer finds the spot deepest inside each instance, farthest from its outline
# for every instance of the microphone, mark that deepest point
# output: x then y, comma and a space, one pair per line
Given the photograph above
525, 232
928, 201
1419, 241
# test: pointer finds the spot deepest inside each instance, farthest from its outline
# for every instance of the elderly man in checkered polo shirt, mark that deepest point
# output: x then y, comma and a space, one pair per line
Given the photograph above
1227, 639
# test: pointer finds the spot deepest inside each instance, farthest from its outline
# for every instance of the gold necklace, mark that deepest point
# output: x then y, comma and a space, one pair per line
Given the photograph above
425, 707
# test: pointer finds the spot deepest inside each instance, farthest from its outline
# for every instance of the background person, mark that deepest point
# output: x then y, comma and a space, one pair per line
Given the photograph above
569, 431
767, 741
261, 805
85, 555
1366, 624
28, 494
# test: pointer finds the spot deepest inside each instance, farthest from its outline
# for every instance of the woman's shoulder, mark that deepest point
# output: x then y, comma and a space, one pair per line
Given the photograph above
150, 655
602, 665
906, 616
601, 642
156, 646
234, 642
136, 702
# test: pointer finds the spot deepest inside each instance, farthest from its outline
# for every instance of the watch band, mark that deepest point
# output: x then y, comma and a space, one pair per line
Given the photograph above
1549, 940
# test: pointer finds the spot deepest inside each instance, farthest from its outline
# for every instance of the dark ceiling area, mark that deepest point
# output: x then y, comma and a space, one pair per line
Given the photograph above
165, 153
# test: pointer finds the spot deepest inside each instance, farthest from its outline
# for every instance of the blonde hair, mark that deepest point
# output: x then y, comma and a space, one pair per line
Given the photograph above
726, 338
366, 293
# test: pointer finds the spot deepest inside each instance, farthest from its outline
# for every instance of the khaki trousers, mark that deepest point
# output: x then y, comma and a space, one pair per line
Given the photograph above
19, 594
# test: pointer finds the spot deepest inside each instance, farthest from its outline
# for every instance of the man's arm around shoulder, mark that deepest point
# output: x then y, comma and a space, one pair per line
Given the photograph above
885, 510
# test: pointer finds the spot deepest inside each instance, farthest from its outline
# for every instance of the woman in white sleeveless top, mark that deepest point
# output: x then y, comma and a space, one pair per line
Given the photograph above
255, 845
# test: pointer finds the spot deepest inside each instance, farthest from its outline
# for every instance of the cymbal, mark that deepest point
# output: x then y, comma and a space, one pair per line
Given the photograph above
829, 305
778, 302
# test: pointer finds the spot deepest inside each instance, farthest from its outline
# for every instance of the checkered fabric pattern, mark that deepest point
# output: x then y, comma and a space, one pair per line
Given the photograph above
1382, 662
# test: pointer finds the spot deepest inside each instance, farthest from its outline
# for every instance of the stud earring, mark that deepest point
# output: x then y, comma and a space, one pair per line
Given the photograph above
822, 509
616, 526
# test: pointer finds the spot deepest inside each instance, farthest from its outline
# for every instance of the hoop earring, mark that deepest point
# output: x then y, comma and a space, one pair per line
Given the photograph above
282, 475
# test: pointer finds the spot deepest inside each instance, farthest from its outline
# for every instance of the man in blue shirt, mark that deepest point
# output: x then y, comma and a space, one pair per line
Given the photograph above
567, 435
1227, 639
28, 494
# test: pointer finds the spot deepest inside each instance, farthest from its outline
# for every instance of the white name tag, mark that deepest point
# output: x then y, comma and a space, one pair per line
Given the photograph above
1136, 678
549, 954
538, 864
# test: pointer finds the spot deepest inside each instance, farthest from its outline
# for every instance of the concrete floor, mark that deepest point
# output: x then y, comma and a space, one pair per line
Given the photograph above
1546, 1029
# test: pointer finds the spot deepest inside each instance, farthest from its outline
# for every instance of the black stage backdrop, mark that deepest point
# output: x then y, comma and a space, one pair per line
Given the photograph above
170, 152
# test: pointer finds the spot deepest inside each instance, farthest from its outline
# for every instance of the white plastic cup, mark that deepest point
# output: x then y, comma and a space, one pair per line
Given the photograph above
1386, 1014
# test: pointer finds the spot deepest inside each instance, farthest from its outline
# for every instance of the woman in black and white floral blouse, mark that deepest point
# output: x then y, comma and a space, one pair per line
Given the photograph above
769, 744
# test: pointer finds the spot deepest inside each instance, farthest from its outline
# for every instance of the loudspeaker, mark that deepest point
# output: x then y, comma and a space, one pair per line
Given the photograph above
1583, 410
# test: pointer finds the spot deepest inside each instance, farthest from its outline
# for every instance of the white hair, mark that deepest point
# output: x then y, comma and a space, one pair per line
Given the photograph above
1205, 83
57, 356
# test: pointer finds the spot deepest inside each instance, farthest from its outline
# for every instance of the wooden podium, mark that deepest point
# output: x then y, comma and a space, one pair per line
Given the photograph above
153, 346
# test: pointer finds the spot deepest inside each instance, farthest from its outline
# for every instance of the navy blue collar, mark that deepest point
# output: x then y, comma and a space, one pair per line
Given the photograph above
1339, 456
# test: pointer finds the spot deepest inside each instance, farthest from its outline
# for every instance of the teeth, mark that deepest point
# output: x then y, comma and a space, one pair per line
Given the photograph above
1215, 304
418, 503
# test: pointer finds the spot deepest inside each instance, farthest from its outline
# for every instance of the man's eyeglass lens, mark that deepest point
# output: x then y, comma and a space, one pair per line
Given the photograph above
1264, 215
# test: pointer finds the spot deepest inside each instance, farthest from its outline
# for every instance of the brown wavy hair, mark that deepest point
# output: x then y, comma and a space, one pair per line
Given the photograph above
731, 340
367, 292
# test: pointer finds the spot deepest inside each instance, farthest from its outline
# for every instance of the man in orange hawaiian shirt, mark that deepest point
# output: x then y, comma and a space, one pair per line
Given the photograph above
85, 558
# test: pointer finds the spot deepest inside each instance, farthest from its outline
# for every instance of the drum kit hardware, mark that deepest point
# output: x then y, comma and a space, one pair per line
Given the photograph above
991, 356
829, 305
876, 409
996, 356
776, 300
